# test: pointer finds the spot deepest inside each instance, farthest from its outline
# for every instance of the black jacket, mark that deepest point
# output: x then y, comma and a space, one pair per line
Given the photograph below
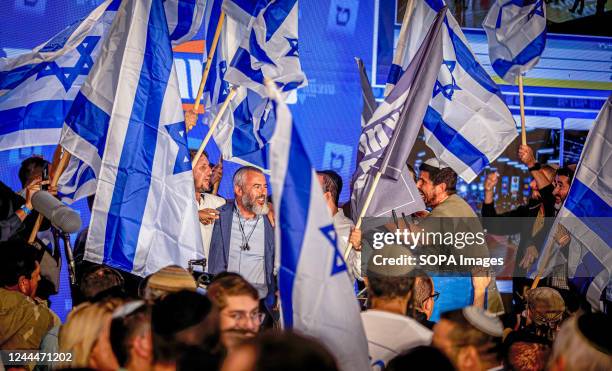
505, 223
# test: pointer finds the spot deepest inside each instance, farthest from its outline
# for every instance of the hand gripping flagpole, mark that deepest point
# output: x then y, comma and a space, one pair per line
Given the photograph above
58, 166
213, 126
363, 210
191, 117
522, 106
401, 42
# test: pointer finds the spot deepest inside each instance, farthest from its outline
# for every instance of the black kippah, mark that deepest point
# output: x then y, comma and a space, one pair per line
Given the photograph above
596, 328
178, 311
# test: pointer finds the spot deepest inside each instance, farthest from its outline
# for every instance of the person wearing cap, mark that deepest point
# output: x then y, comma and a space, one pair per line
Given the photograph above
470, 338
450, 213
529, 346
389, 330
167, 280
583, 343
207, 202
130, 336
544, 314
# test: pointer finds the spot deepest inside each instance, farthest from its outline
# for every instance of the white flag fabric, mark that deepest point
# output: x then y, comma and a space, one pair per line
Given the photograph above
127, 124
516, 33
467, 124
316, 293
586, 214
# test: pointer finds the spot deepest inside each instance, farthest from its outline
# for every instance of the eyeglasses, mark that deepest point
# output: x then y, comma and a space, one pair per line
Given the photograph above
433, 296
240, 317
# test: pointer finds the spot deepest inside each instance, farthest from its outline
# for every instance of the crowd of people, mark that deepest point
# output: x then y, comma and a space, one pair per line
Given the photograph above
228, 318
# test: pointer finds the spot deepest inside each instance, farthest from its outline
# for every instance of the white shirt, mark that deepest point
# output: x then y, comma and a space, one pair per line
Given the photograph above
208, 201
343, 226
390, 334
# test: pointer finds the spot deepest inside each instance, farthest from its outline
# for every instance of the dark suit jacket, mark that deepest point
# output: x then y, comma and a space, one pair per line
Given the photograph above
220, 243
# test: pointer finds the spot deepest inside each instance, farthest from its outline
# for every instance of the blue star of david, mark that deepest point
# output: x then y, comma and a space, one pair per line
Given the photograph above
68, 75
338, 264
224, 85
538, 9
449, 89
293, 44
178, 134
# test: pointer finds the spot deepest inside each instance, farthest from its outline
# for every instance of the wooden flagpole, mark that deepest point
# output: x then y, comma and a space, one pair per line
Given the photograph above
401, 42
213, 126
58, 166
363, 210
522, 105
215, 189
191, 117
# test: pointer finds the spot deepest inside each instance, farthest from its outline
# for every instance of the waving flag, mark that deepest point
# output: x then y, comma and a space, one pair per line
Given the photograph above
244, 131
127, 124
184, 18
37, 88
586, 215
269, 49
467, 124
387, 139
516, 31
316, 293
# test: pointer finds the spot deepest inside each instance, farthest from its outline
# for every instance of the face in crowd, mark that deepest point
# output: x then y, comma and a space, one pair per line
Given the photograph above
239, 320
562, 186
253, 193
28, 286
430, 193
202, 173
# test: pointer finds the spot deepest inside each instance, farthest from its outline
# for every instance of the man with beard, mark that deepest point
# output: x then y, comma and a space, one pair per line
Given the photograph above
451, 214
243, 237
531, 225
238, 305
207, 202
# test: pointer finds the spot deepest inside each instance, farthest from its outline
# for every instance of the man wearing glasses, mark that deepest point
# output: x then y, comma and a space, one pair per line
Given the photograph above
424, 299
238, 304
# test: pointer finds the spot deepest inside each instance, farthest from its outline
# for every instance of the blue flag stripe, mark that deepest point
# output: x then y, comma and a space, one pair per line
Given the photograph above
532, 50
36, 115
470, 64
135, 167
186, 8
294, 218
454, 142
12, 78
590, 208
89, 122
586, 272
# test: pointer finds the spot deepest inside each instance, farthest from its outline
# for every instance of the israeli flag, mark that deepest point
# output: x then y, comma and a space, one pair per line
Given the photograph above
37, 88
77, 181
184, 18
316, 293
467, 123
269, 50
247, 125
127, 124
586, 215
516, 31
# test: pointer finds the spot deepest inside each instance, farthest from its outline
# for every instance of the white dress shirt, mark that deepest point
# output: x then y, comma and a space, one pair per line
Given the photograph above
343, 226
208, 201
